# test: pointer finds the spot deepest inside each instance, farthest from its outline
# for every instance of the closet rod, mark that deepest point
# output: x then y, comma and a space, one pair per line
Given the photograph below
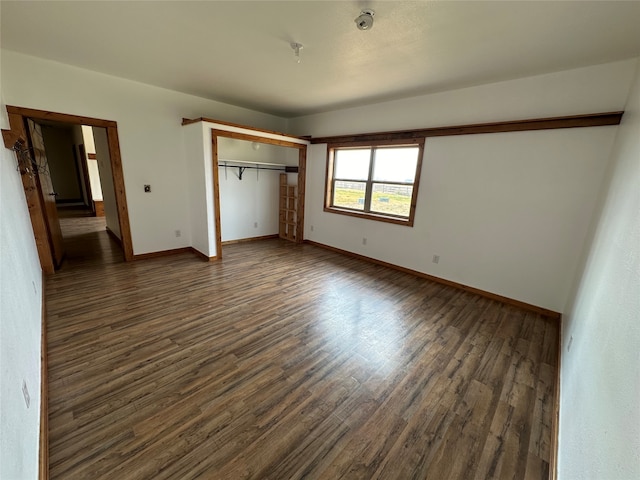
285, 168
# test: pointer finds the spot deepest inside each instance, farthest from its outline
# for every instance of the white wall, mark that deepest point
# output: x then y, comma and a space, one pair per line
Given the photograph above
92, 165
250, 207
243, 150
87, 136
4, 116
62, 163
103, 160
76, 132
198, 150
149, 129
20, 328
600, 375
507, 213
94, 180
197, 147
600, 88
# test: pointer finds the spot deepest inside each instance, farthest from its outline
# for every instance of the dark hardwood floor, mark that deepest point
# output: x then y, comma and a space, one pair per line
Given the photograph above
86, 240
284, 361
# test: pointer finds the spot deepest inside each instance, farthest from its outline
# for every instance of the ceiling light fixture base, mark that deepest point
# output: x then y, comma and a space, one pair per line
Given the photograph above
296, 51
365, 19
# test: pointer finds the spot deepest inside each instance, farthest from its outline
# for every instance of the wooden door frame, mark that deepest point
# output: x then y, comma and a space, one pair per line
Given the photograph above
302, 168
37, 153
17, 116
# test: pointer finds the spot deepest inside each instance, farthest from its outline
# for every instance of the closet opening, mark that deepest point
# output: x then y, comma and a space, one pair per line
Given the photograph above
259, 185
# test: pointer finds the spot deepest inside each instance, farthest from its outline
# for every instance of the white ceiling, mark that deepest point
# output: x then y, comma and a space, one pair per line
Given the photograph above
238, 51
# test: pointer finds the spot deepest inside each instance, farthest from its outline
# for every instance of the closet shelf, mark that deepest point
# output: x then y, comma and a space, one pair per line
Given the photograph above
288, 210
245, 162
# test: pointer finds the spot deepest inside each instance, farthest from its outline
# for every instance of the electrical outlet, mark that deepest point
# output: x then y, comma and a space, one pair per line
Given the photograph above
147, 188
436, 259
178, 233
25, 393
364, 240
570, 342
255, 224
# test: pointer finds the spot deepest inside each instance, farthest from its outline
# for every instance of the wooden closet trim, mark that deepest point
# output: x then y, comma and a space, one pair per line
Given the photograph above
187, 121
302, 163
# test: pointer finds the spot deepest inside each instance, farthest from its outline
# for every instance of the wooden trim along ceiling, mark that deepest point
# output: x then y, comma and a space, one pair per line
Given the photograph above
533, 308
574, 121
18, 114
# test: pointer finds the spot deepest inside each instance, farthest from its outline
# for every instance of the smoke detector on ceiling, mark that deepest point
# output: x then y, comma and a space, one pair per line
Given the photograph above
365, 20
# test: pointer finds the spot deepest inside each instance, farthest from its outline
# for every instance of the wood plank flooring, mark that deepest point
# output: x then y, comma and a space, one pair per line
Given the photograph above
286, 361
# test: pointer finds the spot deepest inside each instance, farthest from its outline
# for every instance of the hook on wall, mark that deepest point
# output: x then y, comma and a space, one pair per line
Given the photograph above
26, 163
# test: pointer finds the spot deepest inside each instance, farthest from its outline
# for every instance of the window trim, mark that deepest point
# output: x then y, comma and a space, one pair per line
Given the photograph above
381, 217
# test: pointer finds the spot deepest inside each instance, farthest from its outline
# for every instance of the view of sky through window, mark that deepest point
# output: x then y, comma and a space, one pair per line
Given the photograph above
391, 164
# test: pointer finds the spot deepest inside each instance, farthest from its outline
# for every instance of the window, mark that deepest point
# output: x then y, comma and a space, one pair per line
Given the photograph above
379, 182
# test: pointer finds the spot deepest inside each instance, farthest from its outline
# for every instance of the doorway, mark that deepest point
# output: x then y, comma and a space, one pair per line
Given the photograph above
25, 128
222, 136
249, 179
78, 165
